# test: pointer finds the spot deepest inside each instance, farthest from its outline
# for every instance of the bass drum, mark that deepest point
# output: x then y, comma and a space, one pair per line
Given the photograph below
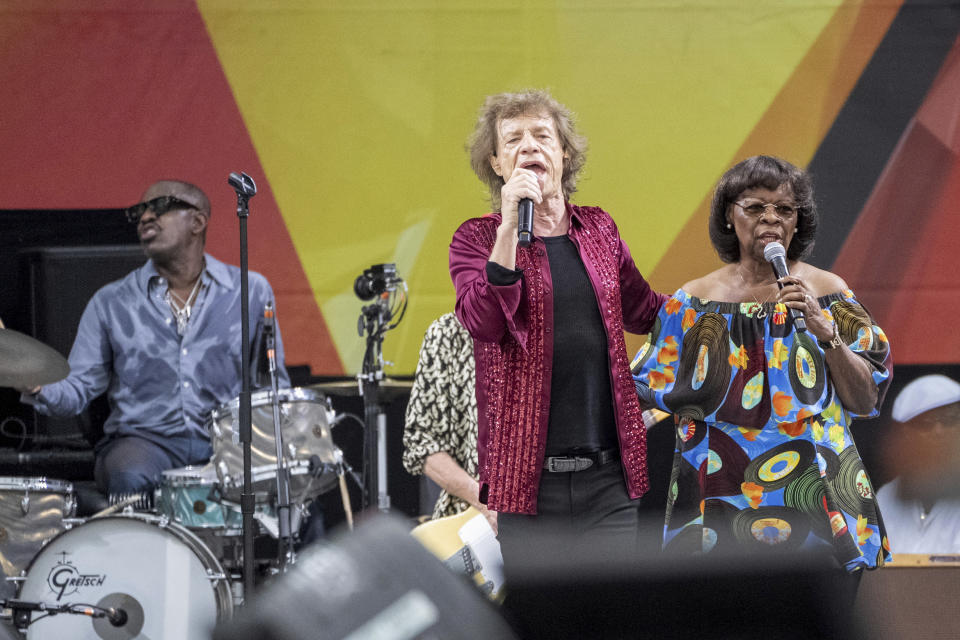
160, 574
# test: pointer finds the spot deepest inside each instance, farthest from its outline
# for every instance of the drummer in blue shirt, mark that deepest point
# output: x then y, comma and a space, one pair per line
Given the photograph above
163, 343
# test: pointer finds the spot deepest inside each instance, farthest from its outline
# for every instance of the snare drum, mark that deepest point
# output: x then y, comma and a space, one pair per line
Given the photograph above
190, 496
305, 419
160, 574
31, 512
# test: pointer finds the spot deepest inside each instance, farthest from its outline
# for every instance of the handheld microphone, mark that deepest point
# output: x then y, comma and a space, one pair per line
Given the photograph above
525, 222
776, 255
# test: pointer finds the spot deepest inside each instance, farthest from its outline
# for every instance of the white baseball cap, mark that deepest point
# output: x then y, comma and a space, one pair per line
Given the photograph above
923, 394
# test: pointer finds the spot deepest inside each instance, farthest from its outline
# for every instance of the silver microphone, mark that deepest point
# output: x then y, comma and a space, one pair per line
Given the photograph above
776, 255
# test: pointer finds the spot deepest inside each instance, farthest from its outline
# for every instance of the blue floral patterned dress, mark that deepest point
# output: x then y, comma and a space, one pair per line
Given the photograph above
764, 457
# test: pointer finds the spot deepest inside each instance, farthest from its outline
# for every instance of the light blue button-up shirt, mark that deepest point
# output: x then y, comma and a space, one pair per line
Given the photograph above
160, 384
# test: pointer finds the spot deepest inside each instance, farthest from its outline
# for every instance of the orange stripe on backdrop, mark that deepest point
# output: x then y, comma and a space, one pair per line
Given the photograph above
103, 97
792, 127
900, 257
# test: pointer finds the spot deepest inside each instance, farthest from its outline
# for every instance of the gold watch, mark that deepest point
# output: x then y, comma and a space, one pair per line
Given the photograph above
834, 341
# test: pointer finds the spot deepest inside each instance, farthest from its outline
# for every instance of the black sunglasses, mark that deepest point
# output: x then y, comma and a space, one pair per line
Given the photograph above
159, 206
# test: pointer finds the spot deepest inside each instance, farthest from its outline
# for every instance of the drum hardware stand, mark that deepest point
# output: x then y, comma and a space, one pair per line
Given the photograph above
389, 292
21, 611
130, 501
246, 188
285, 538
344, 494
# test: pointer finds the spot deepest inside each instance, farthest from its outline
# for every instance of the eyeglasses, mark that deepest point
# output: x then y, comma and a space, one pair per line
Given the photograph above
756, 209
159, 206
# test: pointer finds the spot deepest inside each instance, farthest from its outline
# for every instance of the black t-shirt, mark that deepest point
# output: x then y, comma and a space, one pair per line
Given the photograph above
581, 401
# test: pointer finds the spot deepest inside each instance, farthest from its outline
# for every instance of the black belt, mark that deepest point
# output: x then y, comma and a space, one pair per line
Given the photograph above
580, 461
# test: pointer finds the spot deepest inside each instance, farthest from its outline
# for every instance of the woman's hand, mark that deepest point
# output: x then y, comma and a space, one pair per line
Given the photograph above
851, 375
796, 295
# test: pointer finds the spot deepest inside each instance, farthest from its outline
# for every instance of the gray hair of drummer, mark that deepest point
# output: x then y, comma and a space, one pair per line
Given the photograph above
482, 143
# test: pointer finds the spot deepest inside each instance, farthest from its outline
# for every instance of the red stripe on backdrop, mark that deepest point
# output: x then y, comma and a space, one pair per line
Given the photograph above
900, 258
103, 97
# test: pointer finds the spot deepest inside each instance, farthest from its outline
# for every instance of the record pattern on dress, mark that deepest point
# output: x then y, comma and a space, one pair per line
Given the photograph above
807, 369
748, 400
853, 488
780, 528
722, 471
806, 493
853, 325
777, 467
690, 433
718, 517
703, 371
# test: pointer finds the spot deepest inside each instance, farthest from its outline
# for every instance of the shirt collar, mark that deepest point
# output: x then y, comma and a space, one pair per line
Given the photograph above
216, 270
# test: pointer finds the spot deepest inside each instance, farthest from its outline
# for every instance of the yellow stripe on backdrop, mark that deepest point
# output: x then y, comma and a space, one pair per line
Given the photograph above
359, 111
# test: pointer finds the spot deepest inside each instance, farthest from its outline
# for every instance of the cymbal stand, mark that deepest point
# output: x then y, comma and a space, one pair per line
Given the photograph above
285, 537
246, 188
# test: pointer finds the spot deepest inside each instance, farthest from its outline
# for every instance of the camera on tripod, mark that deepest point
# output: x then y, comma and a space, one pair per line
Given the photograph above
376, 280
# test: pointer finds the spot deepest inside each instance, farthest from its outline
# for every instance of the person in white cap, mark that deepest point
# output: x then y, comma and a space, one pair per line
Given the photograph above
927, 408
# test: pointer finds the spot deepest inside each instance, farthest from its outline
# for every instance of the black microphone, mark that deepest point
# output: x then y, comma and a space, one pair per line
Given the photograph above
525, 222
242, 184
776, 255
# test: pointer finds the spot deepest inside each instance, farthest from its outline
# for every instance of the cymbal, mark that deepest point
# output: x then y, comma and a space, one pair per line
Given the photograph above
388, 387
27, 362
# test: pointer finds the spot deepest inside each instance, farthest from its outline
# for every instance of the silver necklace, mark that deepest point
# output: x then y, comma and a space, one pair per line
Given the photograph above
182, 313
761, 311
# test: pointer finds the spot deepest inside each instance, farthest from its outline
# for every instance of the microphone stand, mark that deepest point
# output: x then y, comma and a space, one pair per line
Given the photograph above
21, 611
284, 542
385, 313
246, 188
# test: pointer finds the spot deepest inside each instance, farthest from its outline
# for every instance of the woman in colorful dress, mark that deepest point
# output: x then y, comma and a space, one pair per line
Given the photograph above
765, 458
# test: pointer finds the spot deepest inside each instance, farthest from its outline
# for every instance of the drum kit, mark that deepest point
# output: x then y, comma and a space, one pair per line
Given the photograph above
172, 571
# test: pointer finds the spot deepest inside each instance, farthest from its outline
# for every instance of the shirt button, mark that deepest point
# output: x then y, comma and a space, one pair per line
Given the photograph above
186, 385
184, 352
547, 329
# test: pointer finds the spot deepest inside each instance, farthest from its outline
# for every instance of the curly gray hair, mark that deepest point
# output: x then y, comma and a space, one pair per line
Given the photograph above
482, 144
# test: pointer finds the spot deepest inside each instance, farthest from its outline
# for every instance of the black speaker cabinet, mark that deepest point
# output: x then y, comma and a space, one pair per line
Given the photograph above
57, 284
374, 582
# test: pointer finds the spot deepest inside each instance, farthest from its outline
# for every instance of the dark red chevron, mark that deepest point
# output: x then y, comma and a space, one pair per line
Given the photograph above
101, 97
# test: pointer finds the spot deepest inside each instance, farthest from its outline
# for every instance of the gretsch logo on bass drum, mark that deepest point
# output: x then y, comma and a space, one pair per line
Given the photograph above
65, 579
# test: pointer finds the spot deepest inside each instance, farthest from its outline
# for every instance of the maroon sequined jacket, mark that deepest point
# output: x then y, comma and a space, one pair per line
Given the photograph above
512, 326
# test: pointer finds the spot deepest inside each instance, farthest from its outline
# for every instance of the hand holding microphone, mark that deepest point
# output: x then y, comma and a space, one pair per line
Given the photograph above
518, 196
776, 255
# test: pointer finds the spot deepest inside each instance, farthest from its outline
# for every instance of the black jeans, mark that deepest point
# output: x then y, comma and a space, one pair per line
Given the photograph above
589, 504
